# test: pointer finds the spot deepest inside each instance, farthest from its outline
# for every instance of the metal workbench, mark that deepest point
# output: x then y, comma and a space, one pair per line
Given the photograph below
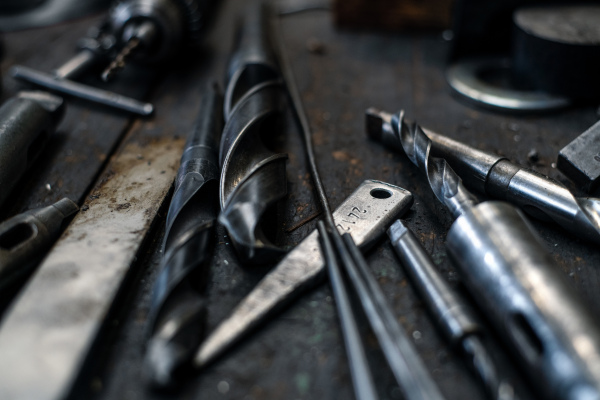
300, 353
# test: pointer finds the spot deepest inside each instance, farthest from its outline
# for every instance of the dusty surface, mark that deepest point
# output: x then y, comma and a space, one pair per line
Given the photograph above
299, 354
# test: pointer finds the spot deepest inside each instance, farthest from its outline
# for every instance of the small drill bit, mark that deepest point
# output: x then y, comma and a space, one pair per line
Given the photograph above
120, 60
177, 311
497, 177
452, 313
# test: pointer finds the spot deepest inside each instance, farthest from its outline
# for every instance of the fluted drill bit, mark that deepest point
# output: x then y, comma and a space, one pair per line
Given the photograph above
177, 311
499, 178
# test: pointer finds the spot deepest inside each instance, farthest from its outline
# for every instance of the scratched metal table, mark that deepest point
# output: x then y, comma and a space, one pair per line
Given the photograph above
299, 354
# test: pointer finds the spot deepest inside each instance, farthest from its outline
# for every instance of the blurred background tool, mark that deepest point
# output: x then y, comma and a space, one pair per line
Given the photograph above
24, 240
580, 159
26, 123
451, 312
514, 281
525, 56
177, 314
498, 177
145, 32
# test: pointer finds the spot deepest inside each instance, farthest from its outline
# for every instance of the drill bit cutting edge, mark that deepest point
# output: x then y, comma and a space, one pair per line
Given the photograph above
514, 280
497, 177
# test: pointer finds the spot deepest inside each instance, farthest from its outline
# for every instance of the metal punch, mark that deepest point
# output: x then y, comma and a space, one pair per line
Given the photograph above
499, 178
515, 281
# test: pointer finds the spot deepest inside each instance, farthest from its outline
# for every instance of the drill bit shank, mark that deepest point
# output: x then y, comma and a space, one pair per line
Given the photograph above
516, 283
499, 178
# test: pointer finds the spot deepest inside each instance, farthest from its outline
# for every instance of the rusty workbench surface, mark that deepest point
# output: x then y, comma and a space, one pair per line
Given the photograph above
298, 355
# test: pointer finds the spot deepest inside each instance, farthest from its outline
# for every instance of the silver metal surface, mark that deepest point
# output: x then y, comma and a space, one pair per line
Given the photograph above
535, 310
364, 214
453, 315
26, 122
364, 388
465, 77
499, 178
52, 325
86, 92
25, 238
413, 378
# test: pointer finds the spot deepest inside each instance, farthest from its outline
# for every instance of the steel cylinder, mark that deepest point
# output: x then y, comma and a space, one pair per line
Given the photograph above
529, 300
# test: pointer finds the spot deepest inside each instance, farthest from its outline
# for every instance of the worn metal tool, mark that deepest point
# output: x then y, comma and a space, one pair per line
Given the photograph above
25, 238
176, 317
515, 281
364, 214
144, 31
26, 122
580, 159
498, 177
453, 315
413, 378
253, 178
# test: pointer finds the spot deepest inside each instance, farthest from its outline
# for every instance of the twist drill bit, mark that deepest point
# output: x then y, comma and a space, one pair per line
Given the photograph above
177, 311
499, 178
253, 178
515, 281
454, 316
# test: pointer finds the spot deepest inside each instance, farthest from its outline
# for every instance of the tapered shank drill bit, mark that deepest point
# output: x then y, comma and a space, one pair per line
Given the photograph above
177, 311
515, 281
499, 178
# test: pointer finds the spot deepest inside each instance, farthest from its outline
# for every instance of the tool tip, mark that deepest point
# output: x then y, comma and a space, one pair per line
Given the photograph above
397, 230
375, 120
66, 207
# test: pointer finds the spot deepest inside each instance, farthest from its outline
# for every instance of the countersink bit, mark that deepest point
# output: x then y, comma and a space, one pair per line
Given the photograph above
515, 281
177, 311
453, 315
25, 238
499, 178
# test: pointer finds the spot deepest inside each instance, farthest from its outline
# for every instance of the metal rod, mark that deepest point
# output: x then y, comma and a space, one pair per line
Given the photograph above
364, 388
69, 87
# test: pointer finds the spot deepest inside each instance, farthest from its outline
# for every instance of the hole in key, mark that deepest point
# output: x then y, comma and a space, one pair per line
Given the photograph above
15, 236
381, 193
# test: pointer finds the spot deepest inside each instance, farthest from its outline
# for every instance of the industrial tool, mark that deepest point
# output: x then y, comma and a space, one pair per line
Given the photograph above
499, 178
514, 280
365, 214
410, 372
26, 122
25, 238
176, 317
451, 312
143, 31
253, 178
580, 159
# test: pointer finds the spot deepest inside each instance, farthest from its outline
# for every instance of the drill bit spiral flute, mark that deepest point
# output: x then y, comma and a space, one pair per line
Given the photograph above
514, 280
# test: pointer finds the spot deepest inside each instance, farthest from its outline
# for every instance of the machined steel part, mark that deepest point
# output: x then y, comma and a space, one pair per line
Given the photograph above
452, 313
25, 238
176, 316
253, 177
580, 159
499, 178
465, 77
528, 299
26, 122
365, 214
518, 285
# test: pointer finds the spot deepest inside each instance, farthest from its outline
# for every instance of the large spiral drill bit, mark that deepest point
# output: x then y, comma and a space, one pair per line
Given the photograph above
514, 280
253, 178
499, 178
177, 311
